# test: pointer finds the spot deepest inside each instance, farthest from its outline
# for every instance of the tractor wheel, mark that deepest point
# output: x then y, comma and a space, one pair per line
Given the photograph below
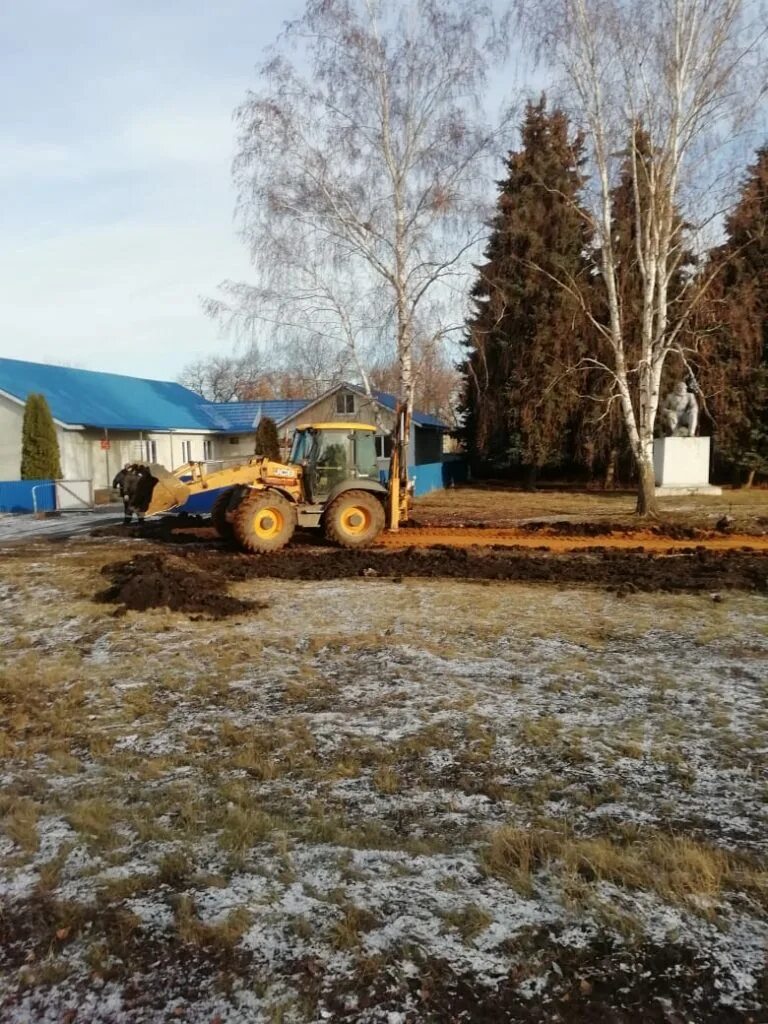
264, 522
225, 501
354, 519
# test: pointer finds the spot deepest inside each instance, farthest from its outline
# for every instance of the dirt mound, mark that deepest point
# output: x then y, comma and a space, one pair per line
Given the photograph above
158, 581
619, 570
672, 531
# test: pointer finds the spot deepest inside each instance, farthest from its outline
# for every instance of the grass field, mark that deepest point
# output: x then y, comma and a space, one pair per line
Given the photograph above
380, 801
501, 505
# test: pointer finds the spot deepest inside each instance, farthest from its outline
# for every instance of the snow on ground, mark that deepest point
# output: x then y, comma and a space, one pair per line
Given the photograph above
251, 817
20, 527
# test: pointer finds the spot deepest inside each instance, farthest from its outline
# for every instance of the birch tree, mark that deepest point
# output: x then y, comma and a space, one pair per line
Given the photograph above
319, 313
677, 73
366, 148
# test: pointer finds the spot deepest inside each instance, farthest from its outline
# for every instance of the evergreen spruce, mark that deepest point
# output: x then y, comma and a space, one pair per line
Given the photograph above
267, 443
733, 331
525, 337
40, 458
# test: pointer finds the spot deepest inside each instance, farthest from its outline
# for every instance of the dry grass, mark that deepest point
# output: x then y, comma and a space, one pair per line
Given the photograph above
505, 506
674, 867
430, 721
95, 818
346, 933
469, 920
20, 822
221, 936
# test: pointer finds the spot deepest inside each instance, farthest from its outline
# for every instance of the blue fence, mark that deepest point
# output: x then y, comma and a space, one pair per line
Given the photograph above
433, 476
201, 503
27, 496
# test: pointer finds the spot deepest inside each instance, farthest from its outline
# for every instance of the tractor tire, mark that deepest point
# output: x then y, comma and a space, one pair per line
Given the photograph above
264, 521
354, 519
218, 514
226, 502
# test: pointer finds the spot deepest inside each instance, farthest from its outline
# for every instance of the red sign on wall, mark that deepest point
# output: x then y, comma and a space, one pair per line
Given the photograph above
106, 445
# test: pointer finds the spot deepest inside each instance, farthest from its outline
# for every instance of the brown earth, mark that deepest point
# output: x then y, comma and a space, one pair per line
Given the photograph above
194, 578
564, 537
669, 555
162, 581
501, 505
600, 984
603, 983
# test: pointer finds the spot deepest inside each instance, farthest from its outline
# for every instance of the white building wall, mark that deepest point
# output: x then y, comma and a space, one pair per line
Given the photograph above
74, 448
76, 454
83, 458
235, 446
11, 417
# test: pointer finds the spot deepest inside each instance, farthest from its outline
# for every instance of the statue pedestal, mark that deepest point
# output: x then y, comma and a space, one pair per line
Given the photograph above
681, 465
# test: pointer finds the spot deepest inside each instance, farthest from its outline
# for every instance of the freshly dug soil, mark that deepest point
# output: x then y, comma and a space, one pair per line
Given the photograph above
160, 581
622, 570
673, 531
556, 537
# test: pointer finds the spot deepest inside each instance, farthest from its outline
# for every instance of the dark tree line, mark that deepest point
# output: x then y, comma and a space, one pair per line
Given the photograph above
730, 336
536, 395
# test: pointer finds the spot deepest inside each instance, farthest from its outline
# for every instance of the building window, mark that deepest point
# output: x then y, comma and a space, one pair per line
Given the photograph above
144, 451
345, 403
383, 446
208, 449
234, 440
186, 451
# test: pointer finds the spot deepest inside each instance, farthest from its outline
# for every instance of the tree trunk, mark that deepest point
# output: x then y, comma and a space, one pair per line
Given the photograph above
609, 480
750, 479
646, 489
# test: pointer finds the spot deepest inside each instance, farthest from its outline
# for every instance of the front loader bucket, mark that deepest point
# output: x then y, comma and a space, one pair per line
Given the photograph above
168, 492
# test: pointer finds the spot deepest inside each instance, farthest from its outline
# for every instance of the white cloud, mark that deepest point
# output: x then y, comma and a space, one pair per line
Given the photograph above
123, 297
148, 141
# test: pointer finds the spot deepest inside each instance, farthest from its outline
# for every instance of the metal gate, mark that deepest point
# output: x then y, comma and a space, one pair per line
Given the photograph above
74, 495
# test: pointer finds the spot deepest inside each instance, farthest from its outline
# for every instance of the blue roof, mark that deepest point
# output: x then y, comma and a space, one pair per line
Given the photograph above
107, 399
116, 402
246, 415
233, 415
421, 419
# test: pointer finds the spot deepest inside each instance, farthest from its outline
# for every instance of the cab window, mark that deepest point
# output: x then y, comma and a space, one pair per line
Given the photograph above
365, 464
302, 443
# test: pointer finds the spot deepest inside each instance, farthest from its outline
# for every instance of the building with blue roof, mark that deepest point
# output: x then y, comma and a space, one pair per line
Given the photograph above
105, 420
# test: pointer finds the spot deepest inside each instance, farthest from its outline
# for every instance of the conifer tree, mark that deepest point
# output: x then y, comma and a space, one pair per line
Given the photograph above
733, 330
266, 440
519, 398
40, 458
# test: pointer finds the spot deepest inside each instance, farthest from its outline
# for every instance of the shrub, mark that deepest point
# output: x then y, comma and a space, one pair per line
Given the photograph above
40, 458
267, 443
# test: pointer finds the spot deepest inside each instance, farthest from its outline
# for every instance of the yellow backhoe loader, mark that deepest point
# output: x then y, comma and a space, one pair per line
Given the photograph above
331, 482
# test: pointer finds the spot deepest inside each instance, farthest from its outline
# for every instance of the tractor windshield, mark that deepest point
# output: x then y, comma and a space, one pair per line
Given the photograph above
337, 455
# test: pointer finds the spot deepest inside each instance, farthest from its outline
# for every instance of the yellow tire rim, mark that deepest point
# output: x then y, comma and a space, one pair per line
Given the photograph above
267, 523
355, 520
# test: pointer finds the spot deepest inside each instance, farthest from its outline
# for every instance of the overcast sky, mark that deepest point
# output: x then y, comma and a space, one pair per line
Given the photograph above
116, 139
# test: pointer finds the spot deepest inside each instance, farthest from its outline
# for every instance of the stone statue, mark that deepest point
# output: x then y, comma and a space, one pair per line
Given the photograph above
680, 412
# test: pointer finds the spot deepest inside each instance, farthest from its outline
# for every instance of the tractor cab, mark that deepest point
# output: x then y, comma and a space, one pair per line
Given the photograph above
331, 453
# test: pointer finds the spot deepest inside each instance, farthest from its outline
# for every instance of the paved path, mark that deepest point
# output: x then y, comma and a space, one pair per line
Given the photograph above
17, 528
